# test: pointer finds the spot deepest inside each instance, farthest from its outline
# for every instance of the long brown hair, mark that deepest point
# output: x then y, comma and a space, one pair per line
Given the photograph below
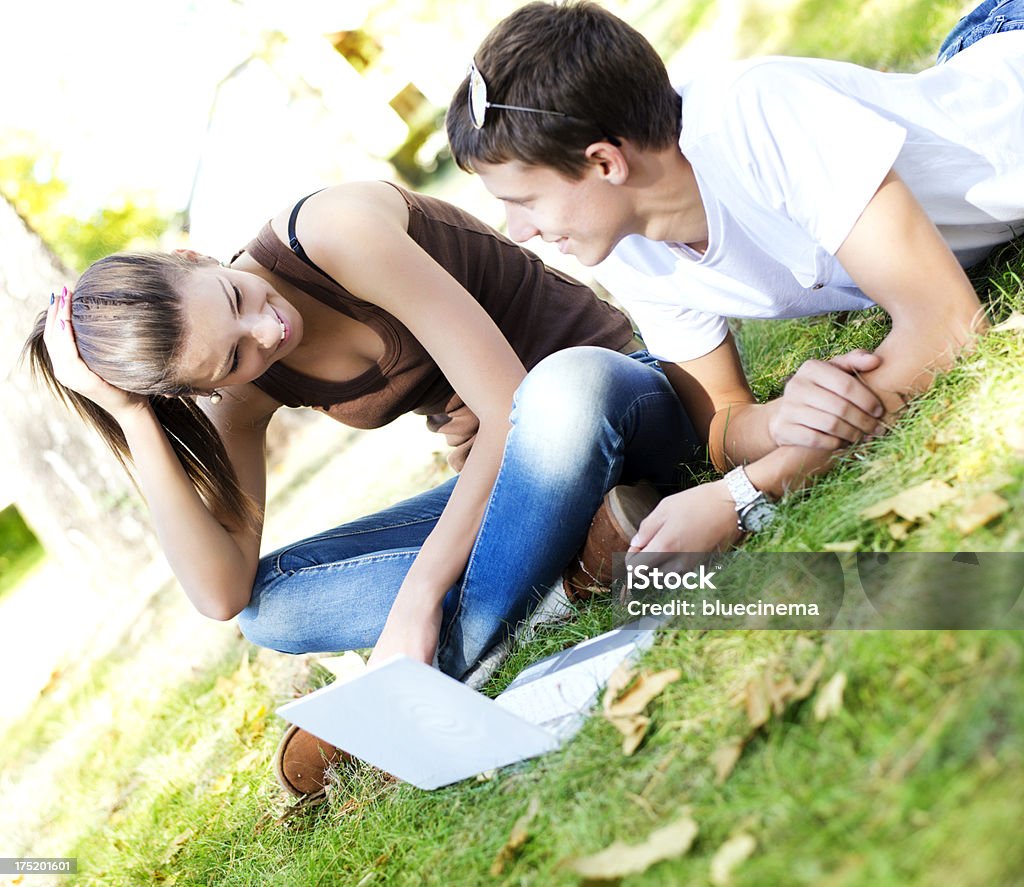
130, 330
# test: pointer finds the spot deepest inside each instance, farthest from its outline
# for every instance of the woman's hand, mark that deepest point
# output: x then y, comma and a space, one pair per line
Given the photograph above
69, 368
411, 628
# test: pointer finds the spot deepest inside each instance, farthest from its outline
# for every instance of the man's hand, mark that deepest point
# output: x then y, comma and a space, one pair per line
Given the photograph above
410, 629
701, 519
825, 406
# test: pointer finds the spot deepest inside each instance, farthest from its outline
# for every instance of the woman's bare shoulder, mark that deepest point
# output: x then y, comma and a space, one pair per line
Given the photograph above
352, 205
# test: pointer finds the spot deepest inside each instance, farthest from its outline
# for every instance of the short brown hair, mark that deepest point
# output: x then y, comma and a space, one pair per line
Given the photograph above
573, 57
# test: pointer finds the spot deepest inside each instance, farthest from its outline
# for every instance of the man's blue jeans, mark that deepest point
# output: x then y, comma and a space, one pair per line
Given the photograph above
989, 17
583, 420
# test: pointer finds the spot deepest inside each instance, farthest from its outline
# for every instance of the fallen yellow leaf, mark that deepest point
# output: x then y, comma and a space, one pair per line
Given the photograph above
758, 703
733, 852
829, 700
641, 692
221, 784
725, 758
809, 680
987, 507
253, 724
780, 692
619, 680
619, 860
516, 839
626, 696
915, 503
174, 847
633, 729
899, 530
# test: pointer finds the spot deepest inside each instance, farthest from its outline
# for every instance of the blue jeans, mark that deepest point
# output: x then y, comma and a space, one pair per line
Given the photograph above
990, 17
583, 420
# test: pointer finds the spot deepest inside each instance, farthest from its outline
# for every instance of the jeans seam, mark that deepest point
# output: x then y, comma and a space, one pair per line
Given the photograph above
322, 537
359, 560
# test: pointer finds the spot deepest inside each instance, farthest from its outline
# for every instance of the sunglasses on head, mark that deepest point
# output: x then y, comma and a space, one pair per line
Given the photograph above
478, 105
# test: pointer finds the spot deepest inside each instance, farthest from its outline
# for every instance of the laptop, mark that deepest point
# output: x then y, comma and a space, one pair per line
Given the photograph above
427, 728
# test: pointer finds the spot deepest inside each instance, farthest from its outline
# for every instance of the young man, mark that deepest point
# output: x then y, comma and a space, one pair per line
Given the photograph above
764, 188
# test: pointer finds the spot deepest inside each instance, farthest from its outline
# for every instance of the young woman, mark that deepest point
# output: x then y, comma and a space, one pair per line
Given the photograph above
365, 301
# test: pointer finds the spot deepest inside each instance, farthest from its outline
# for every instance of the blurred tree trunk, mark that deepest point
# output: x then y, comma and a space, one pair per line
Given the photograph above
65, 482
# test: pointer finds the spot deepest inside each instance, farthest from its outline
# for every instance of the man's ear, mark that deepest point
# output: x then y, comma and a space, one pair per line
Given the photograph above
196, 258
610, 161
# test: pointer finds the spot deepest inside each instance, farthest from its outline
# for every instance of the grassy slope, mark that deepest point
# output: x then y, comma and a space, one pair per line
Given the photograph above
916, 780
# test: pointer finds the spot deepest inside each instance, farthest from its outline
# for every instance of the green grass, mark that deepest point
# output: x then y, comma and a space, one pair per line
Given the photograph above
916, 780
900, 35
20, 550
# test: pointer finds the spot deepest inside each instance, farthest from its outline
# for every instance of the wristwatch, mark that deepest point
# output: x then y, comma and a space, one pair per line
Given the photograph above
754, 510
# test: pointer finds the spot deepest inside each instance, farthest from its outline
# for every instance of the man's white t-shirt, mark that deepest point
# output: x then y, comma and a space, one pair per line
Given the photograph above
788, 152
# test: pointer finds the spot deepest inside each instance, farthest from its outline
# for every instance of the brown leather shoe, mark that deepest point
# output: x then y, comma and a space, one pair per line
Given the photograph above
614, 525
301, 761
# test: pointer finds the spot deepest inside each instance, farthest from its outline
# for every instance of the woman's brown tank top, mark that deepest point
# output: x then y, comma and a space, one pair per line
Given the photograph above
537, 309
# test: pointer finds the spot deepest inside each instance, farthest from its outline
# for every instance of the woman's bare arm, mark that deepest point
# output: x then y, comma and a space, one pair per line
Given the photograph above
363, 243
215, 565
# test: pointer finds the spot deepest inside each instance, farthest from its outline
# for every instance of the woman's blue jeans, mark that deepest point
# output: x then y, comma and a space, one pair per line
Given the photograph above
583, 420
989, 17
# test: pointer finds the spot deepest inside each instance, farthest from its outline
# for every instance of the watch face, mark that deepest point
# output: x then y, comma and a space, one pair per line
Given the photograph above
757, 516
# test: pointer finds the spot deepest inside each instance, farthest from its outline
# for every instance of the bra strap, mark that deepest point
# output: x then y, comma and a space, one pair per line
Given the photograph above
293, 241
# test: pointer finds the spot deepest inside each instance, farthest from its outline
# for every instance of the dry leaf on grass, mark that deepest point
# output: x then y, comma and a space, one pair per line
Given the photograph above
733, 852
810, 680
899, 530
780, 692
516, 839
620, 860
177, 842
1014, 322
253, 724
757, 701
626, 697
725, 758
633, 729
221, 784
829, 700
987, 507
642, 691
619, 680
915, 503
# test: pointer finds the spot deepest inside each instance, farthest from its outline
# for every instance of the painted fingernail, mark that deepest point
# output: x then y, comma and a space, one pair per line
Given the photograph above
64, 294
62, 326
51, 298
